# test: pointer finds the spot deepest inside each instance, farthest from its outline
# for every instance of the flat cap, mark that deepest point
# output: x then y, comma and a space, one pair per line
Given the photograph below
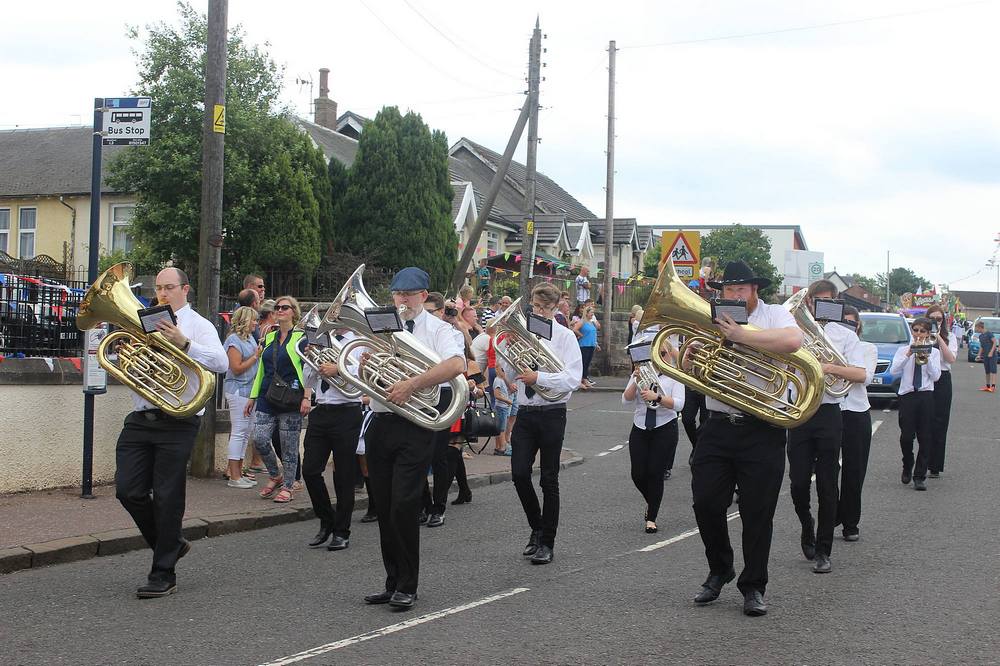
410, 278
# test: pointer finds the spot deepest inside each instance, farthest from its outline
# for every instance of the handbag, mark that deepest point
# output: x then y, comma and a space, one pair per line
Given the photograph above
480, 421
280, 394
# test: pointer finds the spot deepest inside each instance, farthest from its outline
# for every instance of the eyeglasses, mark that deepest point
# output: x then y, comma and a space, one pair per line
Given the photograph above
167, 287
259, 286
283, 307
921, 330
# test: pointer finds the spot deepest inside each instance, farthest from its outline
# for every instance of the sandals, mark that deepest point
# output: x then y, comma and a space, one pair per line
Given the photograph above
270, 487
650, 527
283, 497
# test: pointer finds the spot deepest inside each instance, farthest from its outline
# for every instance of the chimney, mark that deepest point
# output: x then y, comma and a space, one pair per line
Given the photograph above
326, 108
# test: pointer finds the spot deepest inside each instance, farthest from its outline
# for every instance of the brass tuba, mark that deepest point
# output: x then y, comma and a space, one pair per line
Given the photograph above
147, 363
753, 381
315, 356
394, 357
523, 350
817, 342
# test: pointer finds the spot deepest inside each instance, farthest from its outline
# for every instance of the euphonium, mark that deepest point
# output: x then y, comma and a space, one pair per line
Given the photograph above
817, 342
315, 356
523, 350
751, 380
147, 363
394, 357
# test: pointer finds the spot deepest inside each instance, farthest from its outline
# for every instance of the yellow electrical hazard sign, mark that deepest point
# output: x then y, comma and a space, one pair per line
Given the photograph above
219, 119
529, 226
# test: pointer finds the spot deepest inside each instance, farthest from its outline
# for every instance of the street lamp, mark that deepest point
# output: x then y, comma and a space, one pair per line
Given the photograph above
993, 263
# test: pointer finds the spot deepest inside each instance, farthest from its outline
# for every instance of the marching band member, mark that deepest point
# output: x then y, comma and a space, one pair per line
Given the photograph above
736, 446
334, 429
948, 346
856, 441
540, 426
815, 445
153, 448
916, 403
653, 438
399, 451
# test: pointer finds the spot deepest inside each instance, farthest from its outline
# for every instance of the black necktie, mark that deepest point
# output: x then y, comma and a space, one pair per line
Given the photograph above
528, 391
917, 376
650, 418
339, 337
409, 325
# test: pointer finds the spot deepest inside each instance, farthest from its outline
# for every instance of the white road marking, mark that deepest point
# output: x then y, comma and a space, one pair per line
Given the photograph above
603, 453
391, 629
681, 536
886, 411
618, 447
875, 427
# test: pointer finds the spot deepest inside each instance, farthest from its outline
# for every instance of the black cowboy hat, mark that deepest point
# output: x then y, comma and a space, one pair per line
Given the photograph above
738, 272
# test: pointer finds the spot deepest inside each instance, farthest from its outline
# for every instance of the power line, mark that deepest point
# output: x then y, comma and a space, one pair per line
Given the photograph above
457, 46
814, 26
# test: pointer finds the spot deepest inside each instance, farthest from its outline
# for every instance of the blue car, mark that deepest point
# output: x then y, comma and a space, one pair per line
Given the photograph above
888, 332
992, 325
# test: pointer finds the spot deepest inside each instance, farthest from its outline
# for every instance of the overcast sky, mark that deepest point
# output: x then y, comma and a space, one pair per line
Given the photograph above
874, 125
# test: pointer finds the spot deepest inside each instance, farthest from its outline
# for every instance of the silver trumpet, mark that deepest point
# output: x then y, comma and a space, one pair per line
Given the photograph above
315, 356
392, 358
524, 351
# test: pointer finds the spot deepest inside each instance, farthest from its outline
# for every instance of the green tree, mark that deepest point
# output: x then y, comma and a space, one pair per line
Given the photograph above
651, 262
867, 283
276, 195
397, 207
337, 175
901, 281
748, 244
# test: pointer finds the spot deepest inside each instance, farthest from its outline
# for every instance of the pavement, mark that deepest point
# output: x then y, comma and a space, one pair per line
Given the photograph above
918, 588
47, 527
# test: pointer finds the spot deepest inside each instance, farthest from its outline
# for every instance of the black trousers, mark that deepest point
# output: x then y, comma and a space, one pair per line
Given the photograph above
942, 416
333, 429
398, 455
151, 461
443, 473
753, 456
815, 446
855, 445
693, 414
538, 432
649, 453
916, 418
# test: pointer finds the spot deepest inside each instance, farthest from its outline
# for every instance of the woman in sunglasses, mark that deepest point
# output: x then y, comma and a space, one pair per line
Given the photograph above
947, 344
280, 359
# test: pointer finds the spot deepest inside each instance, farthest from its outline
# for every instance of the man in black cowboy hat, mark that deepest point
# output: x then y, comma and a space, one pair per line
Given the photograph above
736, 447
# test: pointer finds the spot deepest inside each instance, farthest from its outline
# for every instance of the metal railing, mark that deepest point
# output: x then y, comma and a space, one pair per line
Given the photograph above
38, 316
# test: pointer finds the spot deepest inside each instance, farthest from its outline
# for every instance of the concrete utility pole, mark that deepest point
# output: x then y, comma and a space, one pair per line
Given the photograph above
210, 244
609, 211
528, 235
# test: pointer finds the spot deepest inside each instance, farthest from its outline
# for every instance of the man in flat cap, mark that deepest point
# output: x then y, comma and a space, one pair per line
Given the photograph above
399, 451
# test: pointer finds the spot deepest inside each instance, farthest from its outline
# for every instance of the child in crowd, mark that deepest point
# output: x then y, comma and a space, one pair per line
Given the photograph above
501, 395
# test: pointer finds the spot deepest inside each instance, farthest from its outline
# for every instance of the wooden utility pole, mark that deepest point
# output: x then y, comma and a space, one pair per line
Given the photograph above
609, 212
210, 243
528, 227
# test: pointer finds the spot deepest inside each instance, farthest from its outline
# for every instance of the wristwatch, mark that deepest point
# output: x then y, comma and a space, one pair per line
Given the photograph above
659, 399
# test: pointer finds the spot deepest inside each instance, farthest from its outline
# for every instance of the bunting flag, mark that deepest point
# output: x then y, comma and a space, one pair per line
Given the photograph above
491, 253
517, 258
506, 256
515, 273
548, 279
621, 289
461, 245
568, 283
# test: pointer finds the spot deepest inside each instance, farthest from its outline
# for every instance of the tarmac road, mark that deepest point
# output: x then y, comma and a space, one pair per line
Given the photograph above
920, 587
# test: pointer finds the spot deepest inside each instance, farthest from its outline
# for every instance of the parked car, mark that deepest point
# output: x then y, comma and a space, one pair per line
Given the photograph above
38, 316
888, 332
992, 325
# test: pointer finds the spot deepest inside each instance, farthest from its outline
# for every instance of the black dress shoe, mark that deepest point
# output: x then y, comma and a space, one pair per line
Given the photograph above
462, 499
851, 534
753, 604
321, 537
666, 474
905, 478
712, 586
543, 555
934, 475
822, 563
185, 548
919, 484
809, 539
436, 520
422, 520
338, 543
402, 600
533, 541
156, 588
369, 517
379, 597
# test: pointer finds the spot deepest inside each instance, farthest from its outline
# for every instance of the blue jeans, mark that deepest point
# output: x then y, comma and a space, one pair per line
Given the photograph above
289, 425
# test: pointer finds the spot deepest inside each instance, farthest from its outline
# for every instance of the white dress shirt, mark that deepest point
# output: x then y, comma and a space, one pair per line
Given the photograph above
480, 350
564, 345
441, 337
847, 343
856, 399
664, 414
764, 316
332, 395
953, 346
930, 371
206, 349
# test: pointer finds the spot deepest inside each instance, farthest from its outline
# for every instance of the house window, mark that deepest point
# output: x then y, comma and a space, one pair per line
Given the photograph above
121, 218
4, 228
26, 223
492, 243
